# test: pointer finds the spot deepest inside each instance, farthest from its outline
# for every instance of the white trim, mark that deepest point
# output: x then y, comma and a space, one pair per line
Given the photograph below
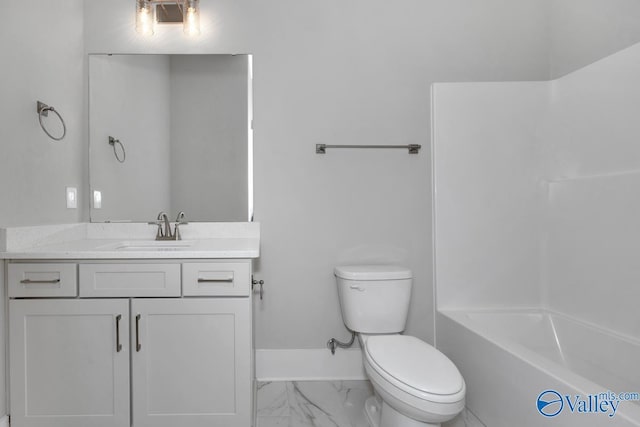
309, 365
4, 421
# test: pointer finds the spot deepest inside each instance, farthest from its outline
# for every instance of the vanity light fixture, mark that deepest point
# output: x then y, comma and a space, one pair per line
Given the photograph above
145, 17
149, 13
192, 17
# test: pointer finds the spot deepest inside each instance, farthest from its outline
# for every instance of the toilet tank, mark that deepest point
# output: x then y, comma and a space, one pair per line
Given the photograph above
374, 298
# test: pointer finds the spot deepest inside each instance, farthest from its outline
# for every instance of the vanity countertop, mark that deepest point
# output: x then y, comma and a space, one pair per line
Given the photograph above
141, 249
130, 241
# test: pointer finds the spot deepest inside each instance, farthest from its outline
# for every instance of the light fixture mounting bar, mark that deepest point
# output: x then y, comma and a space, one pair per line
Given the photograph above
169, 13
152, 12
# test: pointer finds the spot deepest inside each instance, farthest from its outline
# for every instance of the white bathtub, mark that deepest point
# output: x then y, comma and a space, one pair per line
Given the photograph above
508, 358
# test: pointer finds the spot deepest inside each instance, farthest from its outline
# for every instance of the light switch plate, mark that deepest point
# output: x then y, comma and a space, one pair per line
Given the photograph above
72, 198
97, 199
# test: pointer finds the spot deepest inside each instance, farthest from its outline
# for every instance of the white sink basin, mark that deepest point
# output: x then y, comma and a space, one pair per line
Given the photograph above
151, 245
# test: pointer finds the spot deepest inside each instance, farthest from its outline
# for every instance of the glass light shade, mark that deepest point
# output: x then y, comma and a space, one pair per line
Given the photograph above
145, 17
192, 17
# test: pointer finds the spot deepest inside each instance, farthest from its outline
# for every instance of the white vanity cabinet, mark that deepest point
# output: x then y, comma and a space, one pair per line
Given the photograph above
190, 362
136, 360
66, 368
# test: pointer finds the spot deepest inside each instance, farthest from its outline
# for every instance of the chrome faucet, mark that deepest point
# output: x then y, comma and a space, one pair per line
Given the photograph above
165, 233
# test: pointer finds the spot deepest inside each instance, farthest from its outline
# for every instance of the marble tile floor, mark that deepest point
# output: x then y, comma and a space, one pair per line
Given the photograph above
323, 404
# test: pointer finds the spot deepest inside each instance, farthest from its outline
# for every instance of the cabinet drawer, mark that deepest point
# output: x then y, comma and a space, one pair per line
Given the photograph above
216, 279
42, 280
129, 280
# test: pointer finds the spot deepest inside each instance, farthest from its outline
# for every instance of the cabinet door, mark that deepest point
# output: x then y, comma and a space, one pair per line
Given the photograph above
67, 369
191, 362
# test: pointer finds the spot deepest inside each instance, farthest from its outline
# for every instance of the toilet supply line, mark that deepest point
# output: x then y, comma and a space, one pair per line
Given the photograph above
333, 343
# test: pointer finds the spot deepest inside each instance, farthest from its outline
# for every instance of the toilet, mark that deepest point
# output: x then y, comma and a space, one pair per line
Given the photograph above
415, 384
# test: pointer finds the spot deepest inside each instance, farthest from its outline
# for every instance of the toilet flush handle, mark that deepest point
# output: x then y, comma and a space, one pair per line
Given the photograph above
357, 288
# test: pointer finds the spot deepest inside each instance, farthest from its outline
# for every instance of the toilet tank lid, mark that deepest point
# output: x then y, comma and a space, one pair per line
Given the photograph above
372, 272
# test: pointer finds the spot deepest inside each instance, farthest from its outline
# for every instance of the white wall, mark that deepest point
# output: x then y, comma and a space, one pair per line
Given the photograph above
584, 31
339, 73
488, 197
130, 99
209, 135
42, 59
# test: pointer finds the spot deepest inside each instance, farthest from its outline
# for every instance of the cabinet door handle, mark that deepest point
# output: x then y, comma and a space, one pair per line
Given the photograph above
29, 281
138, 345
118, 345
228, 279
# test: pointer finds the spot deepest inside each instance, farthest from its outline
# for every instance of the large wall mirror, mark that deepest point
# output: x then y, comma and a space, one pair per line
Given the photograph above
170, 133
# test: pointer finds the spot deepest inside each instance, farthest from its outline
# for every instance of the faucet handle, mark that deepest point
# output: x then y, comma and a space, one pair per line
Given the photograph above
179, 221
159, 233
180, 218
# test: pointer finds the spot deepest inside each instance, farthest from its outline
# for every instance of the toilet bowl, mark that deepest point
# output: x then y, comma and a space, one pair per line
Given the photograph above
414, 379
415, 384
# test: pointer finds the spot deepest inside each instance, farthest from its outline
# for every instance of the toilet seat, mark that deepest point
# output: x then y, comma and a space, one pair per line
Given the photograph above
414, 367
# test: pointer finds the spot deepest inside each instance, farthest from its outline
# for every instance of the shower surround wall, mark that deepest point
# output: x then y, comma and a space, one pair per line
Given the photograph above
487, 193
536, 206
593, 173
536, 193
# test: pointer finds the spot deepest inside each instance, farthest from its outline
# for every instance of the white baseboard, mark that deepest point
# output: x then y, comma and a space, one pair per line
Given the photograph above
309, 365
4, 421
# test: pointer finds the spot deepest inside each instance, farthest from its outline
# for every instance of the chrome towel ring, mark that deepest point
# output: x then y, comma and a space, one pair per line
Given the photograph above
43, 111
113, 142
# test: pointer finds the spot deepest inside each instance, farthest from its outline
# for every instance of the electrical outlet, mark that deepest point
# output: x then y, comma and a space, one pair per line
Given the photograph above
72, 198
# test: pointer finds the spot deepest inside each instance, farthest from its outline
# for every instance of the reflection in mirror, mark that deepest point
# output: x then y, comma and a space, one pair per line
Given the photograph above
184, 122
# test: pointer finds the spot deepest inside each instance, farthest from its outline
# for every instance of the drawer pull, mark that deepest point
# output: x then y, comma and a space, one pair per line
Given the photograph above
138, 345
118, 345
226, 279
220, 279
30, 281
